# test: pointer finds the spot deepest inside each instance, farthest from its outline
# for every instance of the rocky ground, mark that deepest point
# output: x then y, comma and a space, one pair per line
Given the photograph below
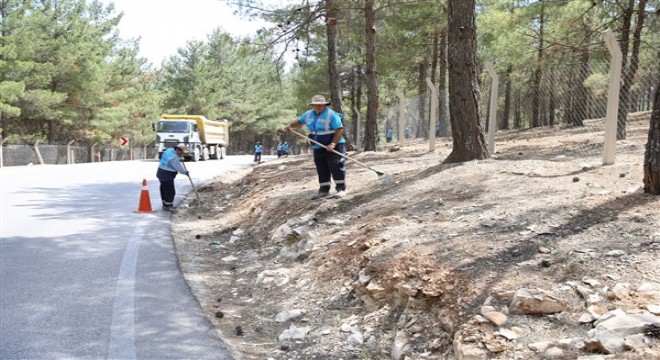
537, 253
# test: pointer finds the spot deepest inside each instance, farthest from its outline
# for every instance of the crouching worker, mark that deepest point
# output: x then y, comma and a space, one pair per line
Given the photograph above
170, 165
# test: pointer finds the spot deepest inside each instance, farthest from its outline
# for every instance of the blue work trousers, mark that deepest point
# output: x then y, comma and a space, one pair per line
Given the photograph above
330, 166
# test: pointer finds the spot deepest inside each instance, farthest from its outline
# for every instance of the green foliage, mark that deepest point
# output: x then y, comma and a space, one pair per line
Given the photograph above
77, 80
229, 79
65, 74
10, 91
597, 83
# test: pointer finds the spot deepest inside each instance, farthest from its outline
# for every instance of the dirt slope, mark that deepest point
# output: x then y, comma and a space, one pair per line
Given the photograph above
401, 269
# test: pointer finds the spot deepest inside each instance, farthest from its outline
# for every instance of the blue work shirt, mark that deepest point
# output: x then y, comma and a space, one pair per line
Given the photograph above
322, 126
170, 164
258, 148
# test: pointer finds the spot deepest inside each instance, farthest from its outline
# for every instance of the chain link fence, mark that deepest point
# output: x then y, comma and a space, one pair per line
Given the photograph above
21, 155
571, 98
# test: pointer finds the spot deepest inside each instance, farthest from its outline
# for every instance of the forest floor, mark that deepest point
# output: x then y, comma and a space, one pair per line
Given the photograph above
424, 266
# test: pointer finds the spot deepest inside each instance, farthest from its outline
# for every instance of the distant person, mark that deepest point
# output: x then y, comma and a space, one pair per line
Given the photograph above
280, 150
325, 127
408, 132
389, 134
437, 128
285, 149
169, 166
258, 149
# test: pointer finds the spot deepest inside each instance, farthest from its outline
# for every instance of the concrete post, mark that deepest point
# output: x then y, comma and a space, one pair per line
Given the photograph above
434, 113
91, 152
69, 156
1, 146
609, 147
36, 150
492, 112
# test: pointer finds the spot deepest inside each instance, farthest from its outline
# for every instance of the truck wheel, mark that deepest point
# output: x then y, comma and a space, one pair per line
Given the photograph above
205, 153
222, 152
215, 155
196, 154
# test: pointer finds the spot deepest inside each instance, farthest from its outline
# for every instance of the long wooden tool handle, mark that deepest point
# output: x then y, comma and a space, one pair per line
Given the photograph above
333, 150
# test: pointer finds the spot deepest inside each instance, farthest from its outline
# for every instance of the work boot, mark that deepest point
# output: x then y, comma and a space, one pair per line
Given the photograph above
340, 194
320, 195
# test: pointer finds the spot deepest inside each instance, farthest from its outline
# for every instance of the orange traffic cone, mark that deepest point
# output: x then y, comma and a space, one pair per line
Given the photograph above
145, 201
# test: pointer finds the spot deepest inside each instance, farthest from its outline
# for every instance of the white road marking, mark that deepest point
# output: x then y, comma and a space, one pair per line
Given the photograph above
122, 331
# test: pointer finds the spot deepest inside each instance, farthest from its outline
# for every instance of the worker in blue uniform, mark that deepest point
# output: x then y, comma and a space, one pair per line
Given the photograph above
258, 149
325, 127
280, 147
169, 166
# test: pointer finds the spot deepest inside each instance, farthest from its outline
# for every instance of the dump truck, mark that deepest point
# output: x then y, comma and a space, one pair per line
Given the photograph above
206, 139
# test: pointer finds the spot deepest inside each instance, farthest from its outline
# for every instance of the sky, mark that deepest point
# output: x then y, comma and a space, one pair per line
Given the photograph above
163, 26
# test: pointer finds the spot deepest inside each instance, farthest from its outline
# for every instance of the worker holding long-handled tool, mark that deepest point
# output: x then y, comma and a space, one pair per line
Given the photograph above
170, 164
326, 130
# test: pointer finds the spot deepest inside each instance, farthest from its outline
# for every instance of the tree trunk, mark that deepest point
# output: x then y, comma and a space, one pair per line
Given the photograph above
371, 125
624, 43
445, 128
4, 122
354, 113
582, 93
435, 52
53, 130
358, 101
626, 100
333, 72
333, 69
467, 135
422, 124
551, 105
517, 119
536, 94
506, 112
652, 154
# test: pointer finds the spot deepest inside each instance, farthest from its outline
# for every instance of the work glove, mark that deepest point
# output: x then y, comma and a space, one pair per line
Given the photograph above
188, 173
287, 128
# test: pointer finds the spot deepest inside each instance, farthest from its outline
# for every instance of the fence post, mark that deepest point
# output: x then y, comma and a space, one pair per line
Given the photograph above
36, 150
92, 155
401, 136
492, 112
1, 146
69, 158
434, 113
609, 147
357, 128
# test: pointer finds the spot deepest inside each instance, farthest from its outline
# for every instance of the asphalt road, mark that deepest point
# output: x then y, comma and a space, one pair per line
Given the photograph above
84, 277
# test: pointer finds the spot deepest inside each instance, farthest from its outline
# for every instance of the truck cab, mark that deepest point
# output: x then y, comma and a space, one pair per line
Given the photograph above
169, 133
206, 139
